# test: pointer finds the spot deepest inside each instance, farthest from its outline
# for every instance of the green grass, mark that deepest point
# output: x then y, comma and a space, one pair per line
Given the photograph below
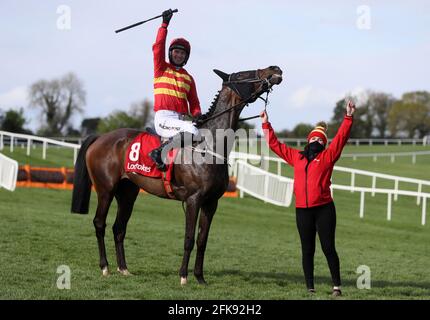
253, 250
55, 156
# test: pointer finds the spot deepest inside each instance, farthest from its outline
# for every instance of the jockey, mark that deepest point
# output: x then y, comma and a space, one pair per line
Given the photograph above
174, 90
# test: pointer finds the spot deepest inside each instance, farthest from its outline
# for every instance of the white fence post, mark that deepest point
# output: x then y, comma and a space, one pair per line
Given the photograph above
362, 204
373, 185
28, 146
1, 142
44, 150
8, 172
396, 188
11, 144
352, 181
423, 217
419, 191
266, 186
389, 207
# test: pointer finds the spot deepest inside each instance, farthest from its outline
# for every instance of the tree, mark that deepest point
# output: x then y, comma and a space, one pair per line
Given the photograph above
116, 120
301, 130
14, 121
245, 125
412, 118
379, 105
411, 114
142, 110
419, 97
59, 100
139, 117
285, 133
89, 126
363, 124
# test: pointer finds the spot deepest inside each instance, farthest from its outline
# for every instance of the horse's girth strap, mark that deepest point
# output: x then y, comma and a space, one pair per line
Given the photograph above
168, 186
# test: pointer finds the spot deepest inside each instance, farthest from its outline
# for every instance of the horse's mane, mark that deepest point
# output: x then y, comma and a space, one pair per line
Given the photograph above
213, 105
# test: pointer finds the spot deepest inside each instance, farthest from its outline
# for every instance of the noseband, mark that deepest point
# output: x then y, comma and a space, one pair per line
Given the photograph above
242, 84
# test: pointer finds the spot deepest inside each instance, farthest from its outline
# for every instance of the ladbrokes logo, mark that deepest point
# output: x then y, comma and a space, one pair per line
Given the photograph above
137, 166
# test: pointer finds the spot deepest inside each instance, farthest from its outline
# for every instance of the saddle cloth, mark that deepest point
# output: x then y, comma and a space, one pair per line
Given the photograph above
138, 161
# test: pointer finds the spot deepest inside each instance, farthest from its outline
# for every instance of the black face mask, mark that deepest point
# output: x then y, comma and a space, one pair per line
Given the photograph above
312, 149
316, 147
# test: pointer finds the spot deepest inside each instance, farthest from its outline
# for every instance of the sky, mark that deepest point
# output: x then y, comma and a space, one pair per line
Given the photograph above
326, 49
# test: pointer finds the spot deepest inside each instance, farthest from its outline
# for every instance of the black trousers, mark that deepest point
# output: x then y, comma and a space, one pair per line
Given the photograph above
321, 219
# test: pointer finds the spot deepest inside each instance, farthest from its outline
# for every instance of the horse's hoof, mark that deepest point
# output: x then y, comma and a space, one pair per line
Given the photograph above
105, 271
184, 281
201, 280
124, 272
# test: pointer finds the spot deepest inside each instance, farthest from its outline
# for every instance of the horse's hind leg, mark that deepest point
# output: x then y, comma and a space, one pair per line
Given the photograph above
206, 214
104, 201
126, 196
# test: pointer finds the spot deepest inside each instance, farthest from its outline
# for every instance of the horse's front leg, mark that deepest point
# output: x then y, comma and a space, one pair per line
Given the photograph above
206, 215
191, 214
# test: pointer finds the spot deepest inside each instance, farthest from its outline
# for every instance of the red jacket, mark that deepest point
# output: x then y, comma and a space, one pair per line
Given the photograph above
173, 88
311, 181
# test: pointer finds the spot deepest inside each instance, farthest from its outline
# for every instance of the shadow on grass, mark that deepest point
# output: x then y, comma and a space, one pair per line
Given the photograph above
282, 278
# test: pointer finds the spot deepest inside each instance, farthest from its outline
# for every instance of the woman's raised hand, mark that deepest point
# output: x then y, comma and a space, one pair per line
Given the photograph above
350, 108
264, 117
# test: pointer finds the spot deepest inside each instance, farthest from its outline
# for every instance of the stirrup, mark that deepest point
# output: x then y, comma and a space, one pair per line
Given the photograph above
155, 155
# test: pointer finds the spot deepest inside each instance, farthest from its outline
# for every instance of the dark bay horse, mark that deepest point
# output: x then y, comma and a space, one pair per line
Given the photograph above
101, 159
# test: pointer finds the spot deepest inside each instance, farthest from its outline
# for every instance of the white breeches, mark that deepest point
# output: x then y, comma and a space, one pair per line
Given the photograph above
168, 123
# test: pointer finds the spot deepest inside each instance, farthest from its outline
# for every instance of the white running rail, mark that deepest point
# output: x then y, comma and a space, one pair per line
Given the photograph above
250, 180
263, 185
358, 142
8, 172
392, 155
13, 138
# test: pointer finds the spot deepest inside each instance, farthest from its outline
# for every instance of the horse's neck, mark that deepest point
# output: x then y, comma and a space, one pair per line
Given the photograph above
225, 121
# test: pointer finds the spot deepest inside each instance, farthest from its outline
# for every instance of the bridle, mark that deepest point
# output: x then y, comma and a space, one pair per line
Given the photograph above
238, 86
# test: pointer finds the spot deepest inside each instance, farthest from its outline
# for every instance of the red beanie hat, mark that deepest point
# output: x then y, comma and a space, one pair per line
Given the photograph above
320, 131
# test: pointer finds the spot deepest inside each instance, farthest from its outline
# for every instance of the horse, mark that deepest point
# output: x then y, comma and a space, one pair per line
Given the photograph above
100, 163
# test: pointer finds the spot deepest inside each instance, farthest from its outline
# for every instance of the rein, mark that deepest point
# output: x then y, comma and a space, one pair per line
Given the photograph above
266, 102
253, 96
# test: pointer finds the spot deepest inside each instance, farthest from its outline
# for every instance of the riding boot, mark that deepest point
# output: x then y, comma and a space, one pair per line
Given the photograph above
155, 155
181, 140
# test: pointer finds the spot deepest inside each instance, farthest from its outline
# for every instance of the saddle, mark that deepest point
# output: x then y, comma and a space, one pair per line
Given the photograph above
137, 159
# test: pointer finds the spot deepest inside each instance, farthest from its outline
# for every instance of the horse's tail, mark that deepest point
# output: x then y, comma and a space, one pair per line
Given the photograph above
81, 181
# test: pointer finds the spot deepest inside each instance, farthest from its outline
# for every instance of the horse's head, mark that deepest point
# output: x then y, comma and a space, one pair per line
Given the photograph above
247, 86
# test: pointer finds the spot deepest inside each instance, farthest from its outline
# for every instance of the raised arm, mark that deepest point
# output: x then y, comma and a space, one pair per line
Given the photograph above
159, 47
282, 150
339, 141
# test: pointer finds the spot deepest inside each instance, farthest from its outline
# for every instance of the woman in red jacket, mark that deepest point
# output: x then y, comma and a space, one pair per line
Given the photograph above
315, 210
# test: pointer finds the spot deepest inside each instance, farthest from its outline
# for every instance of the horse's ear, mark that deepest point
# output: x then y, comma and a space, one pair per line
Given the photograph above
224, 76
